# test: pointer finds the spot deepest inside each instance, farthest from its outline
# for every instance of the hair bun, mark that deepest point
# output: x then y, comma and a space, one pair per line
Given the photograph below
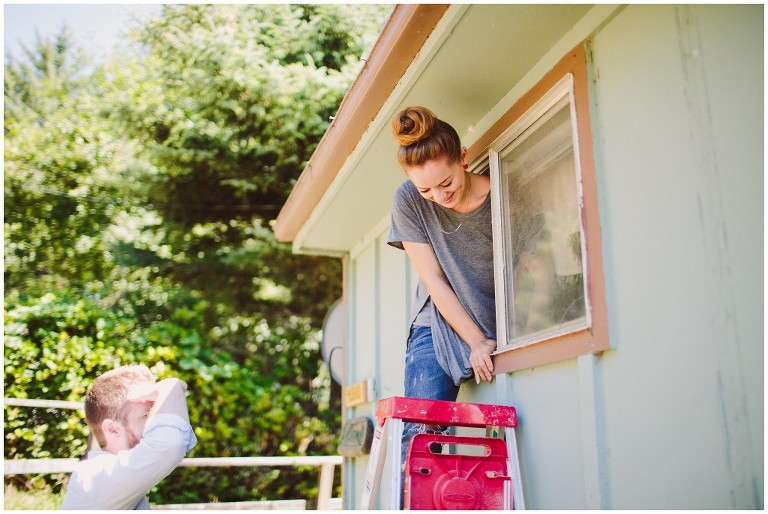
412, 124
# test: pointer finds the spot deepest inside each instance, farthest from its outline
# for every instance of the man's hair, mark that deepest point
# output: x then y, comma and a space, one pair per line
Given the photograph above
108, 396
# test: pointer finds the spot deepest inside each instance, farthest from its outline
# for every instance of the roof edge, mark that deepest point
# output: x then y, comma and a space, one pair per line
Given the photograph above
401, 39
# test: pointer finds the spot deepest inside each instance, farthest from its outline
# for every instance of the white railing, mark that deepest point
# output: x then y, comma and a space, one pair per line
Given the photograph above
44, 404
326, 463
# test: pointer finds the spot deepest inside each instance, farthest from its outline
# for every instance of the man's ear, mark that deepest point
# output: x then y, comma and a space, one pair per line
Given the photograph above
111, 428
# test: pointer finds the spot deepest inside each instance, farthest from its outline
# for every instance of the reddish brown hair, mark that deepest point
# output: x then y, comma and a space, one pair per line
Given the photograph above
423, 137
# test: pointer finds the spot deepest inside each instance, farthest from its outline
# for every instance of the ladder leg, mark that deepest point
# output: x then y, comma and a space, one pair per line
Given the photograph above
375, 465
514, 464
395, 465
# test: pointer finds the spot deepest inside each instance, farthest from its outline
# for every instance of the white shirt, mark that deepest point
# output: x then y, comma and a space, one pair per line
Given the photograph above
112, 481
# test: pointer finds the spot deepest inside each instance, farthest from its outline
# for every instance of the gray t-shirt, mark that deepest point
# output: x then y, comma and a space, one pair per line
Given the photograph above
463, 245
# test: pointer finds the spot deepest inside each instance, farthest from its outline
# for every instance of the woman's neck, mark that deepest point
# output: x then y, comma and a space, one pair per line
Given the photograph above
478, 187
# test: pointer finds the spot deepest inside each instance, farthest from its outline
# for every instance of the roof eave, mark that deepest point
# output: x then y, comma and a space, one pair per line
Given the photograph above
400, 41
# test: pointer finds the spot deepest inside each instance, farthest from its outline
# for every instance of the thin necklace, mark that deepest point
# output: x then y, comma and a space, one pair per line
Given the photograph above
469, 195
452, 231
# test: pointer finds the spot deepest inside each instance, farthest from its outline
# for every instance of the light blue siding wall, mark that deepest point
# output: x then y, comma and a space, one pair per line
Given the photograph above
672, 416
677, 406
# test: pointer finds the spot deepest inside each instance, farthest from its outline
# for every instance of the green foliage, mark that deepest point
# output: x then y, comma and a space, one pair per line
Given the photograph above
231, 100
30, 496
62, 173
55, 347
138, 200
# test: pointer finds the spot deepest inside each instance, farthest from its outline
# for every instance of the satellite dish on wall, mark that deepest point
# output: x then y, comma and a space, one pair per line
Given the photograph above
333, 340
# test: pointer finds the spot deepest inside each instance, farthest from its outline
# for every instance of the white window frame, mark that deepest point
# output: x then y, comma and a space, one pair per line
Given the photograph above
503, 144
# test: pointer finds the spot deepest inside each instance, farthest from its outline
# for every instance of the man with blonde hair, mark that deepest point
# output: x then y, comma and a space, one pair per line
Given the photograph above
143, 429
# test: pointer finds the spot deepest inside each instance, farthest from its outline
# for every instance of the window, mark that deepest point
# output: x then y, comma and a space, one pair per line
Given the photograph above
537, 176
549, 287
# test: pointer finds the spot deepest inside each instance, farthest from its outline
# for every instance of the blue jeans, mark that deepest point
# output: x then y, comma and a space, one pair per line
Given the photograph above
424, 378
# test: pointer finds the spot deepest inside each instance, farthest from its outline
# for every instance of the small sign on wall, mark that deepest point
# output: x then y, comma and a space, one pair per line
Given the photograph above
356, 394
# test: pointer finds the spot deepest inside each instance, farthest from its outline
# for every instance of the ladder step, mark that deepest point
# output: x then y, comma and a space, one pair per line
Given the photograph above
470, 473
445, 471
439, 412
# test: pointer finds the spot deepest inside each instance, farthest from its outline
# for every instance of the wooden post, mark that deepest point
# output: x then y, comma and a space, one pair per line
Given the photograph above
325, 489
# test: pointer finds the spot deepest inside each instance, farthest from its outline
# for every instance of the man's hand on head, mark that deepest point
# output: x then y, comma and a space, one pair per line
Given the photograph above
170, 398
149, 391
143, 392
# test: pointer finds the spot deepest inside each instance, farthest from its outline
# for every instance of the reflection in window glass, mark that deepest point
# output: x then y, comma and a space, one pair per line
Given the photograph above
542, 230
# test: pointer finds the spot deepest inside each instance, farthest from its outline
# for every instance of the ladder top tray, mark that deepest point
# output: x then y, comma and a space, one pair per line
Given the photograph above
438, 412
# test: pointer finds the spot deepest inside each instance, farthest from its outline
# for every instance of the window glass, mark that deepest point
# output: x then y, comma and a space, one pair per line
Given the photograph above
542, 230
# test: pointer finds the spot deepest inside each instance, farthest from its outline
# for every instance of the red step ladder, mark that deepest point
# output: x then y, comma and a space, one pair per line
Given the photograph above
475, 473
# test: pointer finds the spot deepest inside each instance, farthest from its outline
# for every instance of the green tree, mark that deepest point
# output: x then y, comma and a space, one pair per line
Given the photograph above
230, 101
141, 193
63, 171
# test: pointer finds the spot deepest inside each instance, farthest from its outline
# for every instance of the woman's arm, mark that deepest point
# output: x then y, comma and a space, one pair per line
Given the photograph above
450, 307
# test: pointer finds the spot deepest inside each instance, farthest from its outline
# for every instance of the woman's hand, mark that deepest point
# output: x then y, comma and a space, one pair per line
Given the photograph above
480, 359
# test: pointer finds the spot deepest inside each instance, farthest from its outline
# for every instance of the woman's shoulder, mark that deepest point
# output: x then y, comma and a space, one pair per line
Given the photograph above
406, 192
406, 187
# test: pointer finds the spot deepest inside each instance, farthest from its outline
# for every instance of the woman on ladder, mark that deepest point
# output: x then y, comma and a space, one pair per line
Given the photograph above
441, 217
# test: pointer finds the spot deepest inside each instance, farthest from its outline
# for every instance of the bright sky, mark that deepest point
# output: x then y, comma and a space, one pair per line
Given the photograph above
95, 26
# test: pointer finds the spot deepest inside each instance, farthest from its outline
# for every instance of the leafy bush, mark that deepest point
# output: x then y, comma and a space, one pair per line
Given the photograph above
55, 346
31, 497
